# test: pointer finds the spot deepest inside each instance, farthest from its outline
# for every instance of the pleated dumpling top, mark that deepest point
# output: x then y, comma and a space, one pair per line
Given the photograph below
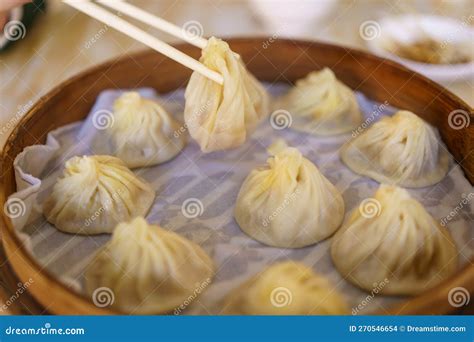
392, 239
143, 132
288, 202
326, 105
401, 149
148, 269
96, 193
221, 117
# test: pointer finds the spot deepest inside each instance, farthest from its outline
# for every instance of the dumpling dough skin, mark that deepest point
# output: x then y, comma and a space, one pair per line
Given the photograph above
222, 117
399, 241
328, 106
288, 203
96, 193
401, 150
286, 288
143, 133
149, 270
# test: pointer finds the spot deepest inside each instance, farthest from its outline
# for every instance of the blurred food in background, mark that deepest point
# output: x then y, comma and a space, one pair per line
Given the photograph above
439, 47
429, 50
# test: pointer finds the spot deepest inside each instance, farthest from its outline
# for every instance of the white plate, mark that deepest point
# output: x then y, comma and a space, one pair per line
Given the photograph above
291, 18
409, 28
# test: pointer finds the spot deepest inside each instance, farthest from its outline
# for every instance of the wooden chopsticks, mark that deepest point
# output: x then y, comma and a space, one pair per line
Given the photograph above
121, 25
154, 21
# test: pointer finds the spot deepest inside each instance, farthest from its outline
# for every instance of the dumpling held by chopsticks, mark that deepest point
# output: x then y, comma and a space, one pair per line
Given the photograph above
218, 116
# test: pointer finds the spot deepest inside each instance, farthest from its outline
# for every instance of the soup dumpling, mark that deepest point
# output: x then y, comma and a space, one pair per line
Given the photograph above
144, 133
148, 269
218, 116
286, 288
326, 105
288, 203
96, 193
392, 239
401, 149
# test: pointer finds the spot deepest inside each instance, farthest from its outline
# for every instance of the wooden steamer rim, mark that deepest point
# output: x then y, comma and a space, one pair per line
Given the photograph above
281, 60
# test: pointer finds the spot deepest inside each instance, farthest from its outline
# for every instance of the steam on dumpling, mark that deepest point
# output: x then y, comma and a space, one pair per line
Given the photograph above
96, 193
148, 269
325, 105
393, 240
401, 149
222, 117
289, 202
287, 288
143, 133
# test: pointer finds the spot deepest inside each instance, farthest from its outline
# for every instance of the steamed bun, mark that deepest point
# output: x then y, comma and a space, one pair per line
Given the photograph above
221, 117
148, 269
288, 203
401, 149
392, 239
286, 288
96, 193
326, 105
143, 133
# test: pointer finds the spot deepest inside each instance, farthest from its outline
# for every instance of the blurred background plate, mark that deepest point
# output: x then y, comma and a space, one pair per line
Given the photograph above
410, 28
289, 18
